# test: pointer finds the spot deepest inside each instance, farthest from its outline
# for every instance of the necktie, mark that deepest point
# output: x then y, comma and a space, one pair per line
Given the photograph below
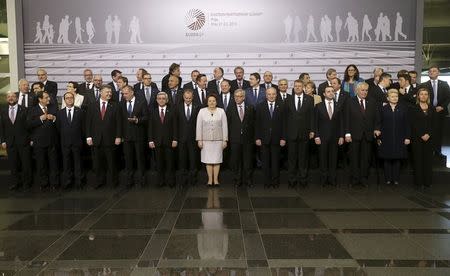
299, 102
384, 90
218, 85
147, 94
255, 93
88, 86
203, 96
267, 85
96, 94
225, 102
174, 95
271, 110
103, 111
162, 115
330, 109
336, 97
188, 112
195, 86
435, 92
130, 109
240, 84
44, 109
69, 116
120, 95
12, 116
284, 97
241, 113
361, 102
23, 100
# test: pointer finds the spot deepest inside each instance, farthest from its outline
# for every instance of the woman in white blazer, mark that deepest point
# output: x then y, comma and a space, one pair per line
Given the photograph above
212, 137
72, 87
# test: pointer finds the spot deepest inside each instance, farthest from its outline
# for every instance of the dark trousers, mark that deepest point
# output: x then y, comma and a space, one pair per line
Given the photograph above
47, 166
360, 156
438, 125
164, 165
423, 162
72, 168
19, 159
392, 170
270, 158
188, 160
241, 161
101, 156
298, 160
328, 154
134, 158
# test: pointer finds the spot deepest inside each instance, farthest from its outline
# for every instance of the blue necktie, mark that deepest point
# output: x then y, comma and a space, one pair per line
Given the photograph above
130, 109
271, 110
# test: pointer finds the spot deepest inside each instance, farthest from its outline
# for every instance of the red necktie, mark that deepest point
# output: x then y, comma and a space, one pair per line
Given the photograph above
103, 110
162, 116
362, 106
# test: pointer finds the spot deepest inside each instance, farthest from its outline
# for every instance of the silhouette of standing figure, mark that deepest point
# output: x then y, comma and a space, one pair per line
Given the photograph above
398, 28
116, 28
338, 27
78, 31
46, 28
109, 29
90, 30
310, 29
367, 26
38, 33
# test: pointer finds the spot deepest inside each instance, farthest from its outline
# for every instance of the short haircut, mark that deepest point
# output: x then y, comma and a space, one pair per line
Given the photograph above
239, 90
392, 91
195, 71
128, 87
362, 84
312, 84
406, 77
330, 71
256, 75
41, 85
385, 76
105, 86
115, 72
238, 68
40, 94
338, 80
74, 84
413, 72
302, 76
221, 69
124, 79
143, 70
401, 72
211, 95
162, 93
67, 93
199, 77
433, 66
22, 81
188, 91
280, 80
173, 67
298, 81
227, 81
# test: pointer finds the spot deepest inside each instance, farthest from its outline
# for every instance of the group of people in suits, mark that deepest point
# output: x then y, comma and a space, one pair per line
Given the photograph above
239, 122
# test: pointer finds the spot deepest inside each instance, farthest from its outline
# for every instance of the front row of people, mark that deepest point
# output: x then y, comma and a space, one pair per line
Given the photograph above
248, 131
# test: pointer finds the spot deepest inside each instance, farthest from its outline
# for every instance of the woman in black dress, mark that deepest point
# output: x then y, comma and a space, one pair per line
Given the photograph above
421, 134
395, 136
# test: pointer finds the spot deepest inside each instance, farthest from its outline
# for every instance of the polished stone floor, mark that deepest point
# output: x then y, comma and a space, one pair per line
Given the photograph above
226, 231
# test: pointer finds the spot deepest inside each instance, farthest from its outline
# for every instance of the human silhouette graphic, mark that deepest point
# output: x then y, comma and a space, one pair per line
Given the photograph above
386, 28
51, 34
90, 30
288, 24
46, 28
310, 29
352, 27
338, 27
398, 28
78, 31
38, 37
64, 26
109, 29
135, 31
116, 28
367, 26
297, 29
379, 27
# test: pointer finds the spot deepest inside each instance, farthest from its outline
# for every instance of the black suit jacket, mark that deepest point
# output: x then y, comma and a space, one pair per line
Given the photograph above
298, 124
342, 100
165, 82
362, 124
421, 123
263, 85
377, 94
325, 128
178, 98
212, 85
162, 134
138, 90
152, 103
43, 133
32, 99
130, 130
280, 99
115, 93
104, 132
52, 89
188, 85
186, 128
196, 99
443, 98
241, 132
269, 129
220, 102
234, 85
71, 134
321, 89
17, 133
83, 90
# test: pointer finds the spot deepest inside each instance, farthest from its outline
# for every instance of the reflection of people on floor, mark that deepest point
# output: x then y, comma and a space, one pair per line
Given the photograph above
212, 241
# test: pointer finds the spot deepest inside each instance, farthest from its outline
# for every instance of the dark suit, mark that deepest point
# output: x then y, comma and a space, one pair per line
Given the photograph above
134, 139
139, 88
150, 98
264, 85
71, 134
45, 140
17, 139
241, 136
189, 85
188, 154
321, 89
361, 126
235, 85
52, 89
31, 99
103, 133
115, 93
178, 97
443, 99
421, 124
162, 134
297, 126
197, 100
376, 93
281, 100
250, 96
270, 131
83, 89
212, 85
409, 98
329, 130
221, 104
